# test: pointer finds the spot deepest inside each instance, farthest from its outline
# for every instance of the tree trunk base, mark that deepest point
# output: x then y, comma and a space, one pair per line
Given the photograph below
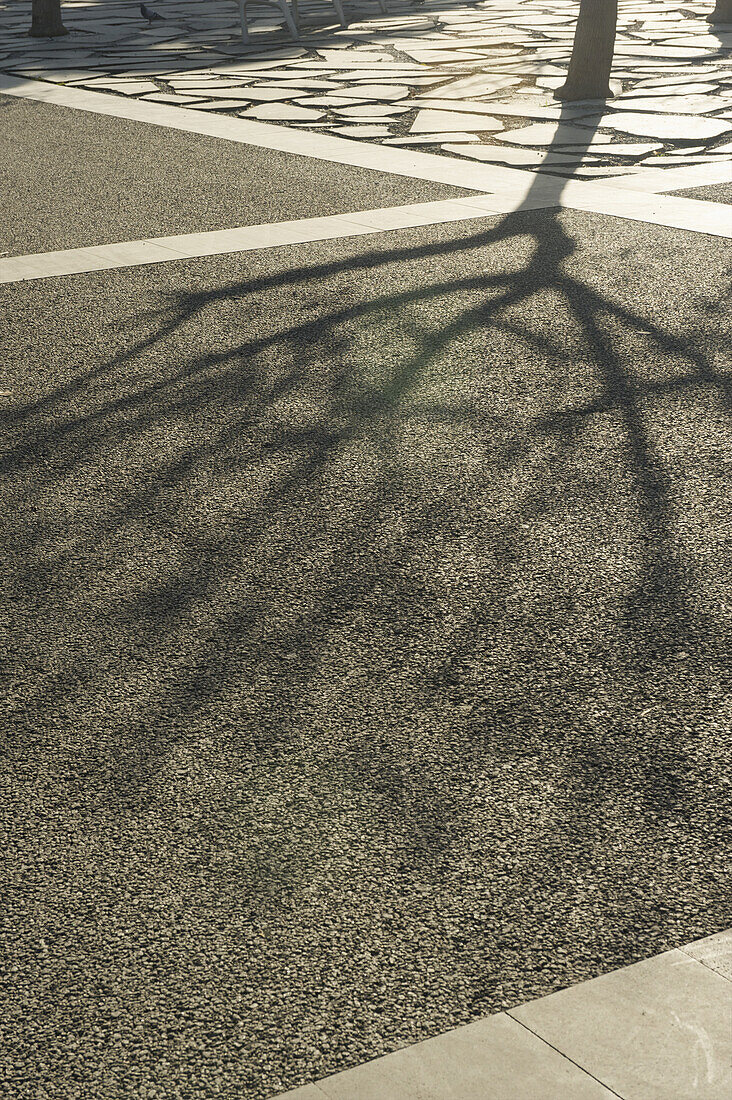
722, 12
570, 92
48, 32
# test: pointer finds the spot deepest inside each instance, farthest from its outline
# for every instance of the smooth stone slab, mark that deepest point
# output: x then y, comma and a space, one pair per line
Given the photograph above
552, 133
179, 100
589, 171
430, 121
492, 1059
370, 111
431, 139
675, 104
671, 87
221, 104
690, 128
703, 41
476, 86
127, 87
652, 1031
715, 952
261, 94
520, 158
327, 101
390, 92
362, 131
623, 149
282, 112
519, 109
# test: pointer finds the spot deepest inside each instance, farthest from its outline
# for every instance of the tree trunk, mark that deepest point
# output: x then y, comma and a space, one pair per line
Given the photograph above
722, 13
47, 19
592, 53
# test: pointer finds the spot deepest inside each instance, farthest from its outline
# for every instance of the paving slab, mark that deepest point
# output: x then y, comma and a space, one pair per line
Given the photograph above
493, 1059
715, 952
658, 1029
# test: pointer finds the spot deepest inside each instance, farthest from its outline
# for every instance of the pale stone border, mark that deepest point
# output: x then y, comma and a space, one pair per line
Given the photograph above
658, 1028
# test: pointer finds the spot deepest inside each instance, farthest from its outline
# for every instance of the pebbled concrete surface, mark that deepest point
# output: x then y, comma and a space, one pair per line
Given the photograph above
717, 192
71, 179
366, 649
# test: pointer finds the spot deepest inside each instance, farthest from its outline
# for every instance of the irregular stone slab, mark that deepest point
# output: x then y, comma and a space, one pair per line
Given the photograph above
681, 52
282, 112
552, 133
494, 154
591, 171
221, 104
681, 104
703, 41
127, 87
362, 131
332, 101
178, 100
431, 139
430, 121
622, 149
677, 127
390, 92
370, 111
476, 86
514, 108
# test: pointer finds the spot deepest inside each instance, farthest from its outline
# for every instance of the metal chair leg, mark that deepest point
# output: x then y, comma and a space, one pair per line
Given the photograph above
243, 20
295, 14
341, 15
284, 8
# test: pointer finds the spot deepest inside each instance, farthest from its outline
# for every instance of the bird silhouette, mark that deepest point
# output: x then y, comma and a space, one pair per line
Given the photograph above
149, 14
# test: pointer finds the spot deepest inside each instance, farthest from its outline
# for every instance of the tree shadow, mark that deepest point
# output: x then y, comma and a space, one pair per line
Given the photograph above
423, 539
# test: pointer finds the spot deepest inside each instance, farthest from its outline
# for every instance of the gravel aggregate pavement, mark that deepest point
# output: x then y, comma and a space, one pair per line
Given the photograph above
73, 179
366, 649
717, 192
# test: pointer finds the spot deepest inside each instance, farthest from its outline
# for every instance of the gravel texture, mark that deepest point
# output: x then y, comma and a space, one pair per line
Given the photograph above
72, 179
366, 644
718, 192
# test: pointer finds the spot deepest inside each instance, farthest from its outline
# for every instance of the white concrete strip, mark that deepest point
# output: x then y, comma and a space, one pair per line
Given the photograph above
245, 239
679, 213
693, 215
675, 179
657, 1030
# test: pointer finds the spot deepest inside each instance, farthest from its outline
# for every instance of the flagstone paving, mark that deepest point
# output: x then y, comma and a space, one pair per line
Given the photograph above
421, 73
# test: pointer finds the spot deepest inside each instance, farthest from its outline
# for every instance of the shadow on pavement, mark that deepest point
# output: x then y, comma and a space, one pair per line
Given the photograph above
382, 594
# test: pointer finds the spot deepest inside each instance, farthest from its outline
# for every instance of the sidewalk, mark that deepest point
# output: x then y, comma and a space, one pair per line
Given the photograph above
658, 1030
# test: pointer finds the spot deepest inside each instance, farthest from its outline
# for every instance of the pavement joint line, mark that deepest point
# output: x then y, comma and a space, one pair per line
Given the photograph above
703, 962
514, 185
678, 213
562, 1053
